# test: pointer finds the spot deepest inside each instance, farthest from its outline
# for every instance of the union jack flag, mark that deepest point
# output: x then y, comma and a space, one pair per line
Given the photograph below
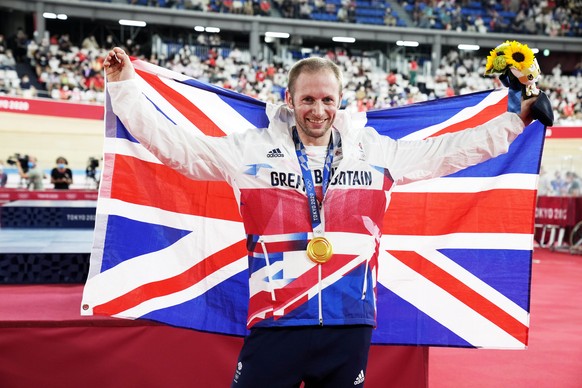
455, 261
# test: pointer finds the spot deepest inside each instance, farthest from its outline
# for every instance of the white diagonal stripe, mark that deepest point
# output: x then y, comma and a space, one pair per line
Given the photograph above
187, 294
165, 106
214, 107
155, 266
128, 148
476, 284
465, 114
442, 306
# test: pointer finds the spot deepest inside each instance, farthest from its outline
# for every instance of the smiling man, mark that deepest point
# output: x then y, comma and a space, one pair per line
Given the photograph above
314, 93
313, 188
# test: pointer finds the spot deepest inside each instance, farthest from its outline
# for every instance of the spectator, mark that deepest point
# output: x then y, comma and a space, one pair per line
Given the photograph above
64, 43
61, 174
90, 43
26, 87
19, 43
389, 18
544, 183
7, 60
265, 6
572, 184
412, 71
305, 10
559, 185
3, 46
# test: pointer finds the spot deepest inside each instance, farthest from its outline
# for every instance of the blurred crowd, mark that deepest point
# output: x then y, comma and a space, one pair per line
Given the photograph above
563, 184
544, 17
55, 68
61, 69
536, 17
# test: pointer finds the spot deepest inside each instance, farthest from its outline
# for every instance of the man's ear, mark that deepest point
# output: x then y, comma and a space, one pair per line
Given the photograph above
288, 99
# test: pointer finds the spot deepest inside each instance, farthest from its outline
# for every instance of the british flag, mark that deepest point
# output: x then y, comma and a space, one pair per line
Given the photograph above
455, 261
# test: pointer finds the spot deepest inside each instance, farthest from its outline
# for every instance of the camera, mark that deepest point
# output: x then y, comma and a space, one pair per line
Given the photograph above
22, 160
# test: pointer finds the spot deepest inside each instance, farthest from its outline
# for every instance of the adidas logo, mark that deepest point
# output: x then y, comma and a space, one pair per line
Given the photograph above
275, 153
360, 378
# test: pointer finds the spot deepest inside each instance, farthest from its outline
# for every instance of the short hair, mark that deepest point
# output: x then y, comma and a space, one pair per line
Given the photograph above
65, 161
313, 65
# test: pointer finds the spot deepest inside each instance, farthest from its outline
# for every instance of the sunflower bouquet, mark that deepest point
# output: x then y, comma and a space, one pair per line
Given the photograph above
518, 70
515, 62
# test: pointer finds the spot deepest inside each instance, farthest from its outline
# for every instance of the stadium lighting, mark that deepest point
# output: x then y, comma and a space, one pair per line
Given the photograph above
49, 15
343, 39
199, 28
272, 34
468, 47
214, 30
132, 23
52, 15
407, 43
535, 50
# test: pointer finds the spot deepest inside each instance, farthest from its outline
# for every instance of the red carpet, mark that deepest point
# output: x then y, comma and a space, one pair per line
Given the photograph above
554, 354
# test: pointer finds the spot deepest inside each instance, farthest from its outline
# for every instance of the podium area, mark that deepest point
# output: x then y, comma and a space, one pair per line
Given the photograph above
46, 342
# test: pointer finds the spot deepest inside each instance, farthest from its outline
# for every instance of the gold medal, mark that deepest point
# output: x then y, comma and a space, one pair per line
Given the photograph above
319, 250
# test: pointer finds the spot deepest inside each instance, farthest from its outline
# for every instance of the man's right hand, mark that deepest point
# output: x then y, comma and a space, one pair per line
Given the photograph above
118, 66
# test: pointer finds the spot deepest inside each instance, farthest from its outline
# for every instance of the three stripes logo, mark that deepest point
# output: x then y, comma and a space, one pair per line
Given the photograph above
275, 153
360, 379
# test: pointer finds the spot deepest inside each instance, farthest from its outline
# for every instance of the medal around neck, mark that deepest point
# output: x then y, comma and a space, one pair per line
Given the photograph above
319, 250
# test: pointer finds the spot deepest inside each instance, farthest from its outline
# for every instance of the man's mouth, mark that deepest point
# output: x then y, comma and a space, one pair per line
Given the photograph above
316, 121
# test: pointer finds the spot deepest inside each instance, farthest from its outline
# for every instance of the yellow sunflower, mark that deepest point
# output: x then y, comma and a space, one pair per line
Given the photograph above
509, 54
497, 61
520, 56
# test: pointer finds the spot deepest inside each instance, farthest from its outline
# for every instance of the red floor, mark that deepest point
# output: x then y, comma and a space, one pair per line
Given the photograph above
554, 355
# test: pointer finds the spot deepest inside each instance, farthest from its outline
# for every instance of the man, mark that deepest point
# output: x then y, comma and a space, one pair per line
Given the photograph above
312, 209
34, 176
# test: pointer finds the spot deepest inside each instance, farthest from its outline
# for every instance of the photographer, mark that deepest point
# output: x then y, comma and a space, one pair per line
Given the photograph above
91, 170
61, 175
34, 175
3, 175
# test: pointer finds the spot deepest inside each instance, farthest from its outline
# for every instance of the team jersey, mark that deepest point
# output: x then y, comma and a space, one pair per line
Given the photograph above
261, 164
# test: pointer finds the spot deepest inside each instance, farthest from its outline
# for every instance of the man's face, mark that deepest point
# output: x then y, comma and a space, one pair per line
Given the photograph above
315, 103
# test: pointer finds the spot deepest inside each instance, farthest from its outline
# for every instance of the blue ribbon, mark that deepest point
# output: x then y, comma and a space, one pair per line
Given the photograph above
308, 178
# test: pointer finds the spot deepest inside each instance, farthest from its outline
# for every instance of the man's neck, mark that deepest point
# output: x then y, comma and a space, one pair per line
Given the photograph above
315, 141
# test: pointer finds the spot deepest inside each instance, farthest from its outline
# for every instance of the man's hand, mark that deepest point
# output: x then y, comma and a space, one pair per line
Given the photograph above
526, 114
118, 66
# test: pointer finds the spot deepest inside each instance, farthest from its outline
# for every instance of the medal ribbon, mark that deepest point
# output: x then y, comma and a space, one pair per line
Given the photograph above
312, 204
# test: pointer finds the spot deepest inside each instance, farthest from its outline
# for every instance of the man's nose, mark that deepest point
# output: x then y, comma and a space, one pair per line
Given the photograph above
318, 108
